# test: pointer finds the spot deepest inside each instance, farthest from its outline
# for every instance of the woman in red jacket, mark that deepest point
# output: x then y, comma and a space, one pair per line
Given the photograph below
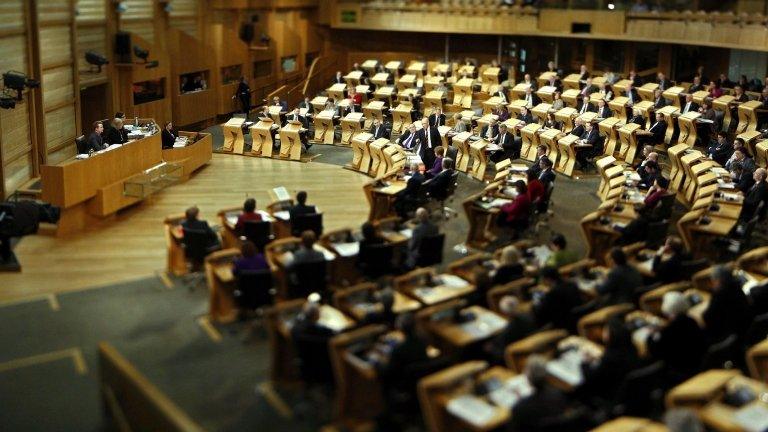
515, 215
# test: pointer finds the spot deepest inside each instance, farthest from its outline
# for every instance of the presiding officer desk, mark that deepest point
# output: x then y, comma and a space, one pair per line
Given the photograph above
96, 187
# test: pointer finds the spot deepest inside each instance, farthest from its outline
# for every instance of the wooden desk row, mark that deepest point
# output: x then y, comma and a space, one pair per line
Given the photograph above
376, 158
262, 134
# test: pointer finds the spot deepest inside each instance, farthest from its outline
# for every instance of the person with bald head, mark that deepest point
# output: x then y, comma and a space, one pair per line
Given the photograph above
424, 228
757, 194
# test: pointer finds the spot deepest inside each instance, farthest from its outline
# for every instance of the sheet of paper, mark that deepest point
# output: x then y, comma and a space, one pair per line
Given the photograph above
471, 409
347, 249
513, 390
753, 417
281, 193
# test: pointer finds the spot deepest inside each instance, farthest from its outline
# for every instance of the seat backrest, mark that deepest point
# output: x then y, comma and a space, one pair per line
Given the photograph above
312, 222
757, 331
80, 143
258, 232
254, 287
636, 392
431, 250
722, 355
310, 277
689, 268
376, 260
196, 244
664, 209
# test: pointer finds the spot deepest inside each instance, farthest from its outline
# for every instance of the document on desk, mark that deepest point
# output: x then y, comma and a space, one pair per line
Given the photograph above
541, 253
232, 219
752, 418
283, 215
471, 409
407, 232
281, 193
511, 392
452, 281
645, 266
332, 318
484, 325
496, 202
567, 368
265, 216
347, 249
725, 185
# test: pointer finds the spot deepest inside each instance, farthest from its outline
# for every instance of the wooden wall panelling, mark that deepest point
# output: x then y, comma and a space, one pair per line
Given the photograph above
92, 36
188, 54
184, 16
136, 72
230, 51
91, 10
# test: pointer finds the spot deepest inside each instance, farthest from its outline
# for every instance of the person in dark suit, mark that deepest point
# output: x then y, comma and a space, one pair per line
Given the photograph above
282, 104
578, 127
680, 343
531, 99
306, 253
721, 150
651, 171
378, 130
306, 104
437, 118
430, 138
552, 123
424, 228
295, 116
370, 235
301, 207
585, 105
114, 134
668, 259
439, 184
310, 339
637, 118
546, 176
621, 281
728, 311
541, 152
696, 85
519, 325
410, 140
554, 307
510, 266
243, 94
192, 223
386, 315
632, 95
338, 78
662, 81
742, 179
510, 148
658, 100
407, 200
411, 350
169, 135
525, 116
635, 79
533, 413
501, 94
690, 105
657, 131
583, 74
95, 141
601, 375
757, 194
591, 138
603, 111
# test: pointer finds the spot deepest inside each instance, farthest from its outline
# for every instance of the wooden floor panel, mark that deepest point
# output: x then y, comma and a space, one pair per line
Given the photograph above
131, 245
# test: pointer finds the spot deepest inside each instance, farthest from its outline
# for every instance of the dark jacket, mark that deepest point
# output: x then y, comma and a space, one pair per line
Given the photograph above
668, 270
532, 413
301, 209
168, 138
728, 313
95, 142
680, 345
555, 306
115, 136
620, 284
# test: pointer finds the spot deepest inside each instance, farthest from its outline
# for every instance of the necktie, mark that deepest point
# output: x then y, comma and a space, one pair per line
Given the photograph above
408, 141
376, 133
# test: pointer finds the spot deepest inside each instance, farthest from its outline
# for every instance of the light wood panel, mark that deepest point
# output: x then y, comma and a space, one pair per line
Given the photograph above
91, 37
91, 10
15, 145
132, 245
184, 16
144, 28
11, 16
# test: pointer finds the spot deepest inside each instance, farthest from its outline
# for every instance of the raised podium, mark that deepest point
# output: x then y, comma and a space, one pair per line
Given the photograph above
546, 93
571, 97
378, 164
646, 110
620, 87
364, 91
549, 138
384, 94
572, 82
417, 69
261, 133
324, 130
723, 103
544, 77
290, 140
750, 139
676, 172
275, 112
337, 92
233, 135
394, 159
461, 143
401, 117
479, 160
467, 70
407, 81
394, 67
374, 110
490, 80
566, 116
381, 79
700, 96
370, 66
350, 126
567, 151
318, 104
431, 83
540, 111
490, 104
518, 91
646, 91
628, 140
609, 129
434, 100
674, 94
530, 140
618, 106
687, 124
442, 69
462, 92
748, 116
361, 155
671, 114
353, 78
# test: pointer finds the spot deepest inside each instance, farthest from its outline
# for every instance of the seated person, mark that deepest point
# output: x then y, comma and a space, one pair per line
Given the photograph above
516, 214
438, 186
729, 311
378, 130
560, 255
720, 150
490, 132
541, 153
648, 156
621, 281
756, 195
250, 260
740, 155
410, 140
537, 194
555, 305
654, 195
519, 325
591, 138
412, 349
371, 236
424, 228
578, 127
510, 266
620, 357
192, 223
248, 214
115, 134
310, 339
743, 180
536, 411
546, 175
386, 298
306, 253
301, 207
95, 141
668, 259
680, 343
437, 168
651, 171
655, 133
510, 147
407, 200
525, 116
169, 136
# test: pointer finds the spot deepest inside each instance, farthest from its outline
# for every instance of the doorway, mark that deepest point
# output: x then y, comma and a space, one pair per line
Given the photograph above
93, 106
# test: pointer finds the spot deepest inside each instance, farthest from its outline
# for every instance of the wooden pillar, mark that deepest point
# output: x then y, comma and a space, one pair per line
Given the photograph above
589, 55
665, 59
36, 110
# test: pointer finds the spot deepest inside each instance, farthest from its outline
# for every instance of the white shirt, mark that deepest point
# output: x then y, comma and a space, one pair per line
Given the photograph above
687, 107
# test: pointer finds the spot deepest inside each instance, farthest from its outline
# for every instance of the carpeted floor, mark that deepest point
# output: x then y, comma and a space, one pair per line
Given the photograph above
157, 329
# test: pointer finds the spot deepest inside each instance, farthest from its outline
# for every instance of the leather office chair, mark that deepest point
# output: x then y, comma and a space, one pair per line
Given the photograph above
308, 278
259, 233
254, 289
431, 251
375, 261
311, 222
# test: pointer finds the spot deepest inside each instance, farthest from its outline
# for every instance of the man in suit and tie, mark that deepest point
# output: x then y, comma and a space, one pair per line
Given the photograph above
721, 150
430, 138
546, 176
632, 96
602, 109
282, 104
509, 147
757, 194
583, 73
501, 93
95, 141
662, 81
655, 133
410, 139
578, 127
585, 106
531, 99
437, 118
636, 81
541, 153
338, 79
301, 207
490, 132
525, 115
696, 86
296, 116
192, 223
588, 88
378, 130
424, 228
590, 138
690, 105
658, 100
306, 103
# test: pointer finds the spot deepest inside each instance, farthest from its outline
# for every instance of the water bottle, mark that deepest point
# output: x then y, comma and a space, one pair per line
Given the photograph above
136, 121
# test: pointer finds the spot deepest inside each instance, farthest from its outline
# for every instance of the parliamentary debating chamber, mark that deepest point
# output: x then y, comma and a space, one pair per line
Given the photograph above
384, 215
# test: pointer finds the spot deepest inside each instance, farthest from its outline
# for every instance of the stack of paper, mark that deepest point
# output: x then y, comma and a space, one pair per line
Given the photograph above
471, 409
513, 390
